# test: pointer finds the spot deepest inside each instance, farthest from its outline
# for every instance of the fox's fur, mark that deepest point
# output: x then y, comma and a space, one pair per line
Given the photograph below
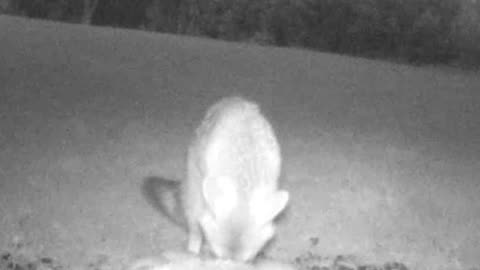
231, 194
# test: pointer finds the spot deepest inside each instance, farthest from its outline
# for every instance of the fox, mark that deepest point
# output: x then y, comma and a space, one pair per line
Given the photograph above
231, 195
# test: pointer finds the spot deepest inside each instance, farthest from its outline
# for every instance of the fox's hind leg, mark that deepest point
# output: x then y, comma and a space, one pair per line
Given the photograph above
195, 237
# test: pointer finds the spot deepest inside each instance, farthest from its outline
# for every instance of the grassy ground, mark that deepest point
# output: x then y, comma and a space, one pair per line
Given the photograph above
382, 160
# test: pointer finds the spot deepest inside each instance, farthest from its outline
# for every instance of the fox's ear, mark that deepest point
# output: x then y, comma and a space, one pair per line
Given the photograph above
220, 195
266, 206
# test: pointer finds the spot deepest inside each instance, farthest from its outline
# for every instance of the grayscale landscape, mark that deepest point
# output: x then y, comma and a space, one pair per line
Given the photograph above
382, 160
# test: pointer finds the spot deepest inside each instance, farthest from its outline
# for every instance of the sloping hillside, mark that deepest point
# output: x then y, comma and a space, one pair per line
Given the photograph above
382, 160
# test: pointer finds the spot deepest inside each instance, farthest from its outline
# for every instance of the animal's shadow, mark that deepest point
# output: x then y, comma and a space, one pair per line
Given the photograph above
165, 195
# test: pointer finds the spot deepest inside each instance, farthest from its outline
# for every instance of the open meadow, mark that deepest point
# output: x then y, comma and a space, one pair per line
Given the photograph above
382, 160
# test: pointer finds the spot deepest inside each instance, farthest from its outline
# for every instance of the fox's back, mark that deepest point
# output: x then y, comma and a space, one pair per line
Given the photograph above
240, 144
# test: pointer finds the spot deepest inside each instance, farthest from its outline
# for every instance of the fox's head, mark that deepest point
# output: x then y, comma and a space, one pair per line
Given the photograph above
238, 227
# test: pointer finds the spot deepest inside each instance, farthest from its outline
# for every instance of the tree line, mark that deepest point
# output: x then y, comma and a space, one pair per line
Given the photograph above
416, 31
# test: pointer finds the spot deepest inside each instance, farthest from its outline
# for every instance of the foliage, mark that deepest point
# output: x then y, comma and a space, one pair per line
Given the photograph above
418, 31
466, 33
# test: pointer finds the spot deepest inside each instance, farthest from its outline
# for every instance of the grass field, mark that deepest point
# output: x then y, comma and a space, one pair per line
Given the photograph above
382, 160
